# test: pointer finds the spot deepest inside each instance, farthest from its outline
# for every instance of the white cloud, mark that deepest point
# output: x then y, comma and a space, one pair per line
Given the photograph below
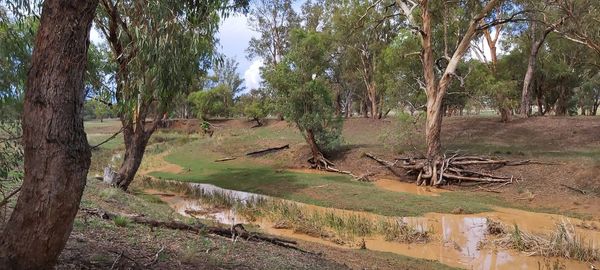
252, 75
95, 36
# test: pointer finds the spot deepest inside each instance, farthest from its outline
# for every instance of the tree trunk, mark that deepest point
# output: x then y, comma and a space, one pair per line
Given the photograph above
318, 160
57, 155
135, 146
535, 48
372, 91
561, 102
504, 114
433, 129
365, 109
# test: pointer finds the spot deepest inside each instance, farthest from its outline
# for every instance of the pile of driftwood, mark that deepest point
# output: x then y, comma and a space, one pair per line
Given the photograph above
453, 169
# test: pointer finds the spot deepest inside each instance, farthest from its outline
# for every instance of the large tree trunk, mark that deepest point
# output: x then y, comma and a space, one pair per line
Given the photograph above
136, 141
433, 129
317, 160
57, 155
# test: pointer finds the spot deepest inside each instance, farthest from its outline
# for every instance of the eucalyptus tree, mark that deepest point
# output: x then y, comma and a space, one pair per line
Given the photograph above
56, 152
273, 21
583, 22
225, 72
303, 87
471, 22
548, 19
365, 35
158, 47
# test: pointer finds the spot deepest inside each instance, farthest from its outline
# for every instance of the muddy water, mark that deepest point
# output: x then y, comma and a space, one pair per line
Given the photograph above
455, 242
397, 186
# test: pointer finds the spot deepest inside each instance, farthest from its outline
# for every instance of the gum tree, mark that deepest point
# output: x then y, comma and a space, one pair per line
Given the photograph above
158, 47
304, 93
56, 152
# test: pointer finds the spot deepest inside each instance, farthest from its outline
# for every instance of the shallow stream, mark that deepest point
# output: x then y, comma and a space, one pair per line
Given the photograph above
455, 242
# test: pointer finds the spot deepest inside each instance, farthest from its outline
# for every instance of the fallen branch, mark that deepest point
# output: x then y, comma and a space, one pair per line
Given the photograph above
107, 140
197, 228
225, 159
7, 198
488, 190
575, 189
268, 150
387, 164
155, 257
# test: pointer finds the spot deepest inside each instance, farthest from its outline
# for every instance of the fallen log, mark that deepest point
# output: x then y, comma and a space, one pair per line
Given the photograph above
268, 150
225, 159
197, 228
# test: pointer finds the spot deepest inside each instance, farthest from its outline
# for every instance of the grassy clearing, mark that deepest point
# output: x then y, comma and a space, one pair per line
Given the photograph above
562, 242
336, 226
336, 191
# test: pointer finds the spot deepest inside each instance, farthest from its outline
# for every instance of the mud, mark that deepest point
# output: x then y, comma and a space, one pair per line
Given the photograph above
398, 186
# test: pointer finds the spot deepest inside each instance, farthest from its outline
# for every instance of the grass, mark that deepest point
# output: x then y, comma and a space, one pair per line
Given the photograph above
329, 224
562, 242
121, 221
328, 190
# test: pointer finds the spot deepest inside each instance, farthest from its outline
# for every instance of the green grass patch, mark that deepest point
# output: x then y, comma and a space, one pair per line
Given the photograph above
121, 221
337, 191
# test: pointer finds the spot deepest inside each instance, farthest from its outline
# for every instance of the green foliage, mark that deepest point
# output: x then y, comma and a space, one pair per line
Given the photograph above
273, 20
165, 44
211, 102
256, 104
16, 47
303, 90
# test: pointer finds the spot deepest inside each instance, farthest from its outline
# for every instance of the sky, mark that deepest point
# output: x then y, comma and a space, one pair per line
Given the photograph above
234, 36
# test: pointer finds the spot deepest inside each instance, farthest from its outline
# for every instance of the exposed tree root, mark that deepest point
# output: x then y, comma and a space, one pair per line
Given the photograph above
453, 169
324, 164
233, 232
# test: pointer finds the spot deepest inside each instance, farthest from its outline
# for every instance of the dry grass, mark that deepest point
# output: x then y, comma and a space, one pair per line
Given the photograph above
562, 242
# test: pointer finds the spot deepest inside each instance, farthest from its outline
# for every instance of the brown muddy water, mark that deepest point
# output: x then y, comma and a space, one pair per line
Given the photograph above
397, 186
455, 242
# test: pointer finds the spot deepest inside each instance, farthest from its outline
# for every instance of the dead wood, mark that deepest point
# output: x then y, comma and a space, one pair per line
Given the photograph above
197, 228
453, 169
225, 159
268, 150
575, 189
7, 198
389, 165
